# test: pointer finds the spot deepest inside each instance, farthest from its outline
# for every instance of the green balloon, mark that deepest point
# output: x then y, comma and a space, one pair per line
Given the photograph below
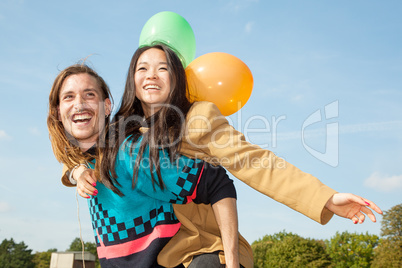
173, 30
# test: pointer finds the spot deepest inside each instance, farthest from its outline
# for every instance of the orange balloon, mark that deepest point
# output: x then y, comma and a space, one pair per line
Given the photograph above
222, 79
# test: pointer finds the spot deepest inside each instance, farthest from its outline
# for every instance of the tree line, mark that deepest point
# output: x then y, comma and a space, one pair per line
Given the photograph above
342, 250
17, 255
282, 249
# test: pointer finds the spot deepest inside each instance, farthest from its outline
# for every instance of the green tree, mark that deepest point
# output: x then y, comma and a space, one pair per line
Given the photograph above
289, 250
389, 252
351, 249
76, 245
15, 255
42, 259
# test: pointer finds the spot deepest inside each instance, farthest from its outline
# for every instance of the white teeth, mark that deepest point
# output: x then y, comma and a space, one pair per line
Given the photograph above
82, 117
152, 87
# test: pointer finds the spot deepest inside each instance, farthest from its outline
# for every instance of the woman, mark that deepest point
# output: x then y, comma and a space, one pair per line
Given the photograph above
206, 134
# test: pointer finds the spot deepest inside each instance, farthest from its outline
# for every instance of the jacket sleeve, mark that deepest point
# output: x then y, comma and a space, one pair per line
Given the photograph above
214, 185
210, 137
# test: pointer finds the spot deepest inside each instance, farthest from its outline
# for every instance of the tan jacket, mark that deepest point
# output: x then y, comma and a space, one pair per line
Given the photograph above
210, 137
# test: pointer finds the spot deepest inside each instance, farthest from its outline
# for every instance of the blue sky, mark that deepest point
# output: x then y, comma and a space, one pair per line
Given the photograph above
341, 60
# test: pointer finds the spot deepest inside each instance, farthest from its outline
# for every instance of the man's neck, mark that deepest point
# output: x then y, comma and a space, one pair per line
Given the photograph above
85, 146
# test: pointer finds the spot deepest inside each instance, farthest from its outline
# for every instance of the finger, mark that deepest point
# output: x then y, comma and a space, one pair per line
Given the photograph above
82, 194
360, 217
80, 188
85, 185
358, 199
85, 189
367, 203
355, 219
90, 179
91, 176
369, 213
89, 189
373, 206
88, 176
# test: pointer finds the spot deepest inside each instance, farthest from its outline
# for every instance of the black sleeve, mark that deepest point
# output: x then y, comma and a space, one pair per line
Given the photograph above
214, 185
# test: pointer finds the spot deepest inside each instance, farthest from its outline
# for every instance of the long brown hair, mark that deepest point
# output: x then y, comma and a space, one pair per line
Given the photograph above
166, 126
64, 148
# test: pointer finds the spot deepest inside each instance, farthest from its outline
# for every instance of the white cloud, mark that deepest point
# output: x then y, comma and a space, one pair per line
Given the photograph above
4, 207
297, 98
384, 183
34, 131
249, 27
4, 136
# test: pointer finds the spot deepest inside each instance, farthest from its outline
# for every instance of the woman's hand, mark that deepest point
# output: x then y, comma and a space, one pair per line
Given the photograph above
86, 181
352, 207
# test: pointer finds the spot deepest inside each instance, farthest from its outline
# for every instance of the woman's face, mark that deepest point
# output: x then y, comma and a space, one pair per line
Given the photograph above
152, 81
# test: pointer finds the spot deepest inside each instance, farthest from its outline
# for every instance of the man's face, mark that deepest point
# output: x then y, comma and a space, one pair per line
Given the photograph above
81, 109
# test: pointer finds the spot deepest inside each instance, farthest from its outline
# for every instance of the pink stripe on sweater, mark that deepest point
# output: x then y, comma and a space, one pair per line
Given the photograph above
131, 247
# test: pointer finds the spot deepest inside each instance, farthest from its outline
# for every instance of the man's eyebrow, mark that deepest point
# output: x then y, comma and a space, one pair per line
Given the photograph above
90, 89
71, 91
66, 92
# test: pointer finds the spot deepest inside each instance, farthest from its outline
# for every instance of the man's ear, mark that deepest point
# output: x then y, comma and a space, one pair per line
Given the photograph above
108, 106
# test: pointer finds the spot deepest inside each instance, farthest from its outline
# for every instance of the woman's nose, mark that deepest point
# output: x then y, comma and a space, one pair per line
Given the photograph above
152, 75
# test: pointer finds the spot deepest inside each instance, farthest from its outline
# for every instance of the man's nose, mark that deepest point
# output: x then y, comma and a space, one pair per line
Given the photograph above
79, 102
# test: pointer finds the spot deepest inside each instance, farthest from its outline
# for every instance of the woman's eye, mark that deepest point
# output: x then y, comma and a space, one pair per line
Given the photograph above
141, 69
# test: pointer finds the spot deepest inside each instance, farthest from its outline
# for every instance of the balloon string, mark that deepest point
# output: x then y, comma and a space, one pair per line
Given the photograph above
79, 224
